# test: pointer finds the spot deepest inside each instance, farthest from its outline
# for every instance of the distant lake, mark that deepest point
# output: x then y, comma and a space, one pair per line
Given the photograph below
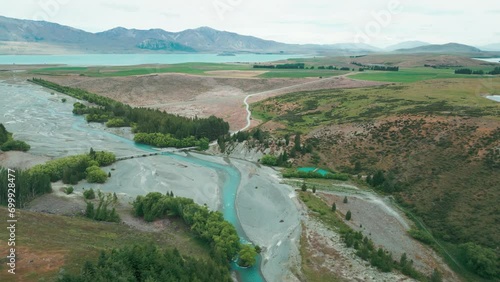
494, 98
137, 59
491, 60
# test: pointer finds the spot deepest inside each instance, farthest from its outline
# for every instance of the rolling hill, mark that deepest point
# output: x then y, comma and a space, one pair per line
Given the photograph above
444, 48
406, 45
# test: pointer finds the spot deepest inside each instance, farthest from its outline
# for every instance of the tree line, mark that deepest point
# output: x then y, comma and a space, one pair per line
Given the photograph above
142, 120
281, 66
7, 143
209, 226
495, 71
149, 263
166, 140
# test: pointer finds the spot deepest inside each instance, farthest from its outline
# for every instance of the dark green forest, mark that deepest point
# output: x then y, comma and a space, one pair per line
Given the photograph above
26, 185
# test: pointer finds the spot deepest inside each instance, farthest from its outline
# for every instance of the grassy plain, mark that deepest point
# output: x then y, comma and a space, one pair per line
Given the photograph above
187, 68
407, 75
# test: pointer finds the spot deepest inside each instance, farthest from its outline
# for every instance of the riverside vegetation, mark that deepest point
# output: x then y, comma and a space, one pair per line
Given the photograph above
36, 181
7, 143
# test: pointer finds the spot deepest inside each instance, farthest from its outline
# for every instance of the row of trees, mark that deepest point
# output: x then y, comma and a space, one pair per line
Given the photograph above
142, 119
495, 71
7, 143
208, 225
28, 185
382, 68
167, 140
148, 263
469, 71
281, 66
310, 174
272, 160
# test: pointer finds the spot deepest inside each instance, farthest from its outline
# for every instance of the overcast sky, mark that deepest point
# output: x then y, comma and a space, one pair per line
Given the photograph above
376, 22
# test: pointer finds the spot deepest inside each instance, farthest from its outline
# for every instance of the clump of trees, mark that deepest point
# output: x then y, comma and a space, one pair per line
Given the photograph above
106, 210
72, 169
209, 226
385, 182
15, 145
117, 122
149, 263
246, 256
89, 194
383, 68
95, 175
495, 71
29, 184
272, 160
167, 140
7, 143
482, 261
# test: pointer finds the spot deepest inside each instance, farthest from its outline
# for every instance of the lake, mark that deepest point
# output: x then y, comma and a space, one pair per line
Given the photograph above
138, 59
494, 98
491, 60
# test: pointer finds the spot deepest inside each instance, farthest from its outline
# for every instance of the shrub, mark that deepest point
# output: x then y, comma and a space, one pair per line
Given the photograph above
69, 190
269, 160
96, 175
117, 122
348, 215
15, 145
421, 236
89, 194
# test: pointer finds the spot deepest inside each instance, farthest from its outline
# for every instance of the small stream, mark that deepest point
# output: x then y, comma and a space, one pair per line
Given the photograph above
38, 117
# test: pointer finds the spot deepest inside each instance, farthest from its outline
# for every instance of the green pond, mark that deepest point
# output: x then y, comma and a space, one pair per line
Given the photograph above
313, 169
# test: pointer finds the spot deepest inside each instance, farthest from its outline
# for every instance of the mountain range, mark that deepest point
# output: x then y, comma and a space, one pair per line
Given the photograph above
35, 37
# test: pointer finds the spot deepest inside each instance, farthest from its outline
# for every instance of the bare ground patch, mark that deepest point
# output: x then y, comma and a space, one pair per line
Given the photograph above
20, 160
